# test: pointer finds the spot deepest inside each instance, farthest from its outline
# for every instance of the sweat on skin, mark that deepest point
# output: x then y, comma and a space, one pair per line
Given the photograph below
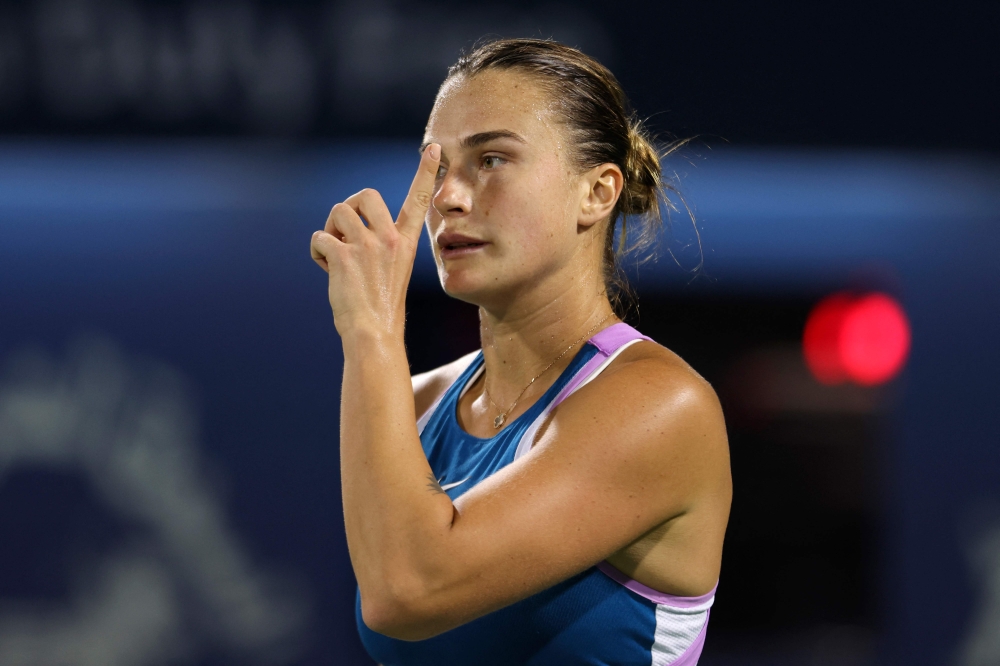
633, 468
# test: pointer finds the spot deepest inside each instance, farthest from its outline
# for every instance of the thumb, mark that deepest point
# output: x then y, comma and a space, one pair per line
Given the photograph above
418, 200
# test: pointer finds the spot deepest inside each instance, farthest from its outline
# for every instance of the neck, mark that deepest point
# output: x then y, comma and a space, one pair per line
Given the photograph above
521, 340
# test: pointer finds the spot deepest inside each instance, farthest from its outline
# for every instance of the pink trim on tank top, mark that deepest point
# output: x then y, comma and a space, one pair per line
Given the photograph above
607, 342
615, 336
654, 595
581, 376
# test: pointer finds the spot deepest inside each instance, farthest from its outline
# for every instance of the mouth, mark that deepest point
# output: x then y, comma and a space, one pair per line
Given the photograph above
456, 245
461, 246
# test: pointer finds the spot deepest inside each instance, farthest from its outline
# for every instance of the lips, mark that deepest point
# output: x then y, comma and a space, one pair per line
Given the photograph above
455, 244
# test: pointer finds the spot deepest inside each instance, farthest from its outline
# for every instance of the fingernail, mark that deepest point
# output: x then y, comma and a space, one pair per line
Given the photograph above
435, 151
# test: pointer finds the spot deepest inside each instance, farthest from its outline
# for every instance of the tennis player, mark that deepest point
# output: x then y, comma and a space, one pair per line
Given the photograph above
561, 495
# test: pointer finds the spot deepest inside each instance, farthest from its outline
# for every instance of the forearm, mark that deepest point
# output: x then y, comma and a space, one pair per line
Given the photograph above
395, 523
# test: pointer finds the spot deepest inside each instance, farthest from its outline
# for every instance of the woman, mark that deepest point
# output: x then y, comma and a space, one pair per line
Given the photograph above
561, 496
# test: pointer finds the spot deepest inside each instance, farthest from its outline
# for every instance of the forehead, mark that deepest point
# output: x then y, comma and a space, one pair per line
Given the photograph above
491, 100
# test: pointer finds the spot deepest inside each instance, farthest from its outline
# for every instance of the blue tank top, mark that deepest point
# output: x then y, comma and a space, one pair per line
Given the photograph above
599, 616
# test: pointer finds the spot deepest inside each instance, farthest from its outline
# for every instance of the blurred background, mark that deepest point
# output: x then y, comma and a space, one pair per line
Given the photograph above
169, 389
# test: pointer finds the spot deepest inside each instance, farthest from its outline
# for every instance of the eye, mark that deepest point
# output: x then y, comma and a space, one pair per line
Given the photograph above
441, 172
492, 161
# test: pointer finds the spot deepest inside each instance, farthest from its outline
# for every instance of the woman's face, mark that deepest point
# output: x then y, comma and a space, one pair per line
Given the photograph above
506, 210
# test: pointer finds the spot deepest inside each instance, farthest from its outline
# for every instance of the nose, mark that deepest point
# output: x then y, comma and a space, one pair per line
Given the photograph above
454, 196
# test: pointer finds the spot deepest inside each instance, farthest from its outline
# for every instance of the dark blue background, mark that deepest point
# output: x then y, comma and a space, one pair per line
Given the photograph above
197, 254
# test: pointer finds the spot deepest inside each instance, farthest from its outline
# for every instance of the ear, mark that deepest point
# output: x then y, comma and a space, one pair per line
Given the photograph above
601, 186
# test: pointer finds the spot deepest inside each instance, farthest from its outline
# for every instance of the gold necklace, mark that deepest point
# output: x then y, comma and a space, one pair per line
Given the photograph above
502, 418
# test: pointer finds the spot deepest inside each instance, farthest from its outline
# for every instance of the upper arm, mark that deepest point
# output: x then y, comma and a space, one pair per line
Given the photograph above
638, 446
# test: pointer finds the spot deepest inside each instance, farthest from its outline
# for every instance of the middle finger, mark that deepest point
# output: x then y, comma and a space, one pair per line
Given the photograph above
368, 204
343, 221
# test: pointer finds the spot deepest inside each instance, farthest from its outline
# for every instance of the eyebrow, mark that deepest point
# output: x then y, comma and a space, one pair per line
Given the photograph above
480, 138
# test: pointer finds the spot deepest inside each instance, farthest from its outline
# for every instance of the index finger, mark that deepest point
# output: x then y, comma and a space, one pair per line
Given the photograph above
411, 216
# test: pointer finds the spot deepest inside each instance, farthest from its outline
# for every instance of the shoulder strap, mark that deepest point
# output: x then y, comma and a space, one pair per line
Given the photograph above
610, 342
615, 337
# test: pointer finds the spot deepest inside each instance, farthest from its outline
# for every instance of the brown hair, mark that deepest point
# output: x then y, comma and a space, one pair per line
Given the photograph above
604, 129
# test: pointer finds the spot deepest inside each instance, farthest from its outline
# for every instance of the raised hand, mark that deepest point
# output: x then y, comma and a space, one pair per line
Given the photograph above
369, 266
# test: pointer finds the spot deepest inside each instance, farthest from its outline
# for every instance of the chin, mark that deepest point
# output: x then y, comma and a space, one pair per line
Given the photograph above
467, 286
462, 290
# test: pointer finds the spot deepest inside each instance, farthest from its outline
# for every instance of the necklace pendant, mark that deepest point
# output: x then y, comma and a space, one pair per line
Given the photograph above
498, 421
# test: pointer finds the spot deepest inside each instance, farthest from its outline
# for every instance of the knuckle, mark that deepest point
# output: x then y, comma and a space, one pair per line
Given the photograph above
422, 198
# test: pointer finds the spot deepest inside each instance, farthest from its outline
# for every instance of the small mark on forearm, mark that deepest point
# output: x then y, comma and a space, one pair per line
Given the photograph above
434, 486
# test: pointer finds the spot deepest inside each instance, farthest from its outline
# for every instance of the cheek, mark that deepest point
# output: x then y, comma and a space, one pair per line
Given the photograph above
432, 221
527, 210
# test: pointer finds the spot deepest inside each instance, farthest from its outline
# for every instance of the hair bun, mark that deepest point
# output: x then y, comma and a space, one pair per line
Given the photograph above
642, 173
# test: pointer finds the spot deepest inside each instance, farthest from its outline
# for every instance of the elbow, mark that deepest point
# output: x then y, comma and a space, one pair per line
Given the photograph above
401, 610
389, 616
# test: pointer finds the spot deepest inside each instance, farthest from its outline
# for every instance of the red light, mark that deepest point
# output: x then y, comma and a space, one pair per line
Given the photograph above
820, 342
865, 339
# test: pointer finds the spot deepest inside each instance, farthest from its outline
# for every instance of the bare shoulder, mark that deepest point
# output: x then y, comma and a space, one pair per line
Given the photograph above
659, 434
662, 379
428, 386
652, 399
